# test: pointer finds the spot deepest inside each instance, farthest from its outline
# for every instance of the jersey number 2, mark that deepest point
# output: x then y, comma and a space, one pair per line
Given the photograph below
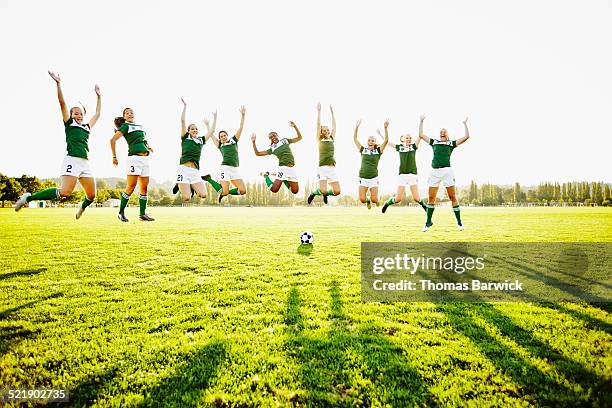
68, 168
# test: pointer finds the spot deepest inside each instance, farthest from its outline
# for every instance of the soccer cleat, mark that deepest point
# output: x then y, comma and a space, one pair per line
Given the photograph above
325, 198
206, 177
79, 212
369, 204
23, 200
264, 173
146, 217
122, 217
310, 198
426, 227
221, 198
460, 227
384, 209
175, 189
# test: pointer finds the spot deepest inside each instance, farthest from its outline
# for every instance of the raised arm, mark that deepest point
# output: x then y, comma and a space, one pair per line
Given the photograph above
421, 135
60, 96
96, 115
355, 139
242, 115
211, 130
318, 120
257, 152
183, 126
213, 137
382, 137
467, 133
299, 134
386, 141
333, 130
113, 141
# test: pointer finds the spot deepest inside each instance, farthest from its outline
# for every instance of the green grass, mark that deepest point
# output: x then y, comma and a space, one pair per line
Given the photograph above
219, 306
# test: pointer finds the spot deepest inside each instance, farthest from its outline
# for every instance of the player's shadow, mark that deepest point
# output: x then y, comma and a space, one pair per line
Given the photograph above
328, 364
184, 388
545, 389
305, 249
25, 272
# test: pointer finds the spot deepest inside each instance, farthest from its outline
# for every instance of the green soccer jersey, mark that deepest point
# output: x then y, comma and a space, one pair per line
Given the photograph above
441, 152
77, 138
191, 149
135, 137
283, 152
407, 156
326, 152
229, 152
369, 162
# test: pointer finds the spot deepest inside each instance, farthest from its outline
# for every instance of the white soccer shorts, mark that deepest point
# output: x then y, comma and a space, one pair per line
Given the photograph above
138, 166
446, 175
75, 166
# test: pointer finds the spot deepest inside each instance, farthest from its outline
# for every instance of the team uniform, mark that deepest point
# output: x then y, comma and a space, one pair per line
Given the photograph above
191, 151
441, 169
230, 164
286, 162
75, 164
137, 165
442, 173
407, 168
327, 163
368, 173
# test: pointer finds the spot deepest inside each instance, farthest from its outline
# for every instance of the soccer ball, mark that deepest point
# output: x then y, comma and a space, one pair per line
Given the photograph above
307, 237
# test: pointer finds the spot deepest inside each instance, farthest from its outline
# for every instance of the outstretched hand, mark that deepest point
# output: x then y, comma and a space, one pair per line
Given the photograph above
115, 162
319, 106
422, 118
242, 110
358, 123
465, 121
387, 123
292, 124
97, 89
55, 76
253, 137
184, 103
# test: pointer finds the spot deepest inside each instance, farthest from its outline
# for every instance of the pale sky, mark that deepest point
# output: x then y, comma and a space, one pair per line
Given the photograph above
535, 78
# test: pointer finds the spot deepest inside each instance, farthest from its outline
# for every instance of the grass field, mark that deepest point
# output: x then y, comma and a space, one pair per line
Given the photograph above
216, 306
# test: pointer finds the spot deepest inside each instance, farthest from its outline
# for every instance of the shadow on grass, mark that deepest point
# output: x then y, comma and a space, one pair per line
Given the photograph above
25, 272
186, 386
305, 249
348, 367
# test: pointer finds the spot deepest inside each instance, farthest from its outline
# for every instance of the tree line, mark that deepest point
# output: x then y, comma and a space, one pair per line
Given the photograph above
570, 193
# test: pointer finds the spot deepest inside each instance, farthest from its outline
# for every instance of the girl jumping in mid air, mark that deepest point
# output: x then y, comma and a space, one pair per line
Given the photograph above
138, 169
280, 148
327, 164
76, 164
368, 173
407, 171
188, 174
441, 171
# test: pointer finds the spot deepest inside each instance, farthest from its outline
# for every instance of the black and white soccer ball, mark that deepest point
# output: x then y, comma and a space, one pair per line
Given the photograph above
307, 237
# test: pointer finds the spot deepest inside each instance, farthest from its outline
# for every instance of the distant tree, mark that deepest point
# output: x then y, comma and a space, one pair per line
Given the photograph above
11, 189
101, 184
29, 183
121, 184
102, 195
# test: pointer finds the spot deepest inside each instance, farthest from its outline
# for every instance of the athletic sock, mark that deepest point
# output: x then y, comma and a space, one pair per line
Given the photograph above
330, 192
125, 197
48, 194
286, 183
234, 191
143, 204
86, 202
268, 181
317, 192
215, 184
367, 199
430, 210
423, 204
457, 214
390, 201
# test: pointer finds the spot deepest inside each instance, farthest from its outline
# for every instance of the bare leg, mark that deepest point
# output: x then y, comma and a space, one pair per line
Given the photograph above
200, 189
185, 191
68, 183
374, 194
362, 193
240, 186
335, 185
89, 185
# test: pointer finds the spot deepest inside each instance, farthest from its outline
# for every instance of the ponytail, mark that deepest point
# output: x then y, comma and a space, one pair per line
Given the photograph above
119, 120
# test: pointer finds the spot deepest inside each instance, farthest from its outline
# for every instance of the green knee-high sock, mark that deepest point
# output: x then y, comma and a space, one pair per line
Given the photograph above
86, 202
143, 204
330, 192
216, 185
268, 181
48, 194
234, 191
286, 183
125, 197
457, 214
390, 201
430, 210
317, 192
423, 204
